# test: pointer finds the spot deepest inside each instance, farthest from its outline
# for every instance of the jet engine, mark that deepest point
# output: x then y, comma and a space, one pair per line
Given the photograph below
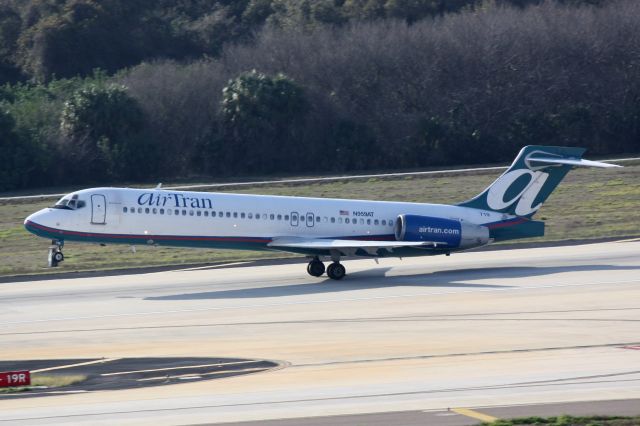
449, 233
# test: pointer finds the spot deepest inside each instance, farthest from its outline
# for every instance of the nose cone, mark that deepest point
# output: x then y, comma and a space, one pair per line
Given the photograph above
37, 222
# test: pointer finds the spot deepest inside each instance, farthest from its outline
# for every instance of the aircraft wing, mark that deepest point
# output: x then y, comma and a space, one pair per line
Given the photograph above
344, 247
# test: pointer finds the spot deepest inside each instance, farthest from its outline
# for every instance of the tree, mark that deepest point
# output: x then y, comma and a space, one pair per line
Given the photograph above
262, 119
104, 127
20, 157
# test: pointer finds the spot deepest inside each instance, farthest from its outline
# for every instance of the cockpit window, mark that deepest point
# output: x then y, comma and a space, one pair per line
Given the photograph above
69, 203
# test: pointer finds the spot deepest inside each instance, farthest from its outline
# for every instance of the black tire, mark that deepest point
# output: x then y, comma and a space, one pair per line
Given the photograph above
58, 257
315, 268
336, 271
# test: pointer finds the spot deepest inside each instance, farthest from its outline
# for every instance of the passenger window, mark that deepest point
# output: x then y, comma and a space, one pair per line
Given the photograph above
279, 217
368, 221
318, 220
206, 213
155, 211
339, 220
190, 212
220, 214
139, 209
177, 212
390, 222
346, 220
361, 221
132, 210
198, 213
242, 215
249, 215
124, 209
272, 216
161, 211
286, 217
257, 216
213, 214
384, 222
228, 214
376, 222
235, 214
333, 220
184, 212
169, 211
146, 210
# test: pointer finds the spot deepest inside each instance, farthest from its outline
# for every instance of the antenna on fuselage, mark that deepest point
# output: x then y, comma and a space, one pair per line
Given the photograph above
159, 186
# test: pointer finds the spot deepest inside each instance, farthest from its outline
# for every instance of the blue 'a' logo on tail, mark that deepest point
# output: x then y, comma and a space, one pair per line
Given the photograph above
534, 174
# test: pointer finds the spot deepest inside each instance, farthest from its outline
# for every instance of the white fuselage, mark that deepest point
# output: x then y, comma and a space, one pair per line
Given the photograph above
163, 212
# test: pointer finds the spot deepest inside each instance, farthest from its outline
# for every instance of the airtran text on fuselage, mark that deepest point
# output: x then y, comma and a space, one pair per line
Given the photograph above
174, 200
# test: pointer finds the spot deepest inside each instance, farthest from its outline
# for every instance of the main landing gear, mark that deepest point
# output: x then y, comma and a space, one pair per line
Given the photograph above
55, 253
335, 271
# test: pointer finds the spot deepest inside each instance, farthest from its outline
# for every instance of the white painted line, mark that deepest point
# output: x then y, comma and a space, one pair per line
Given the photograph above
200, 375
316, 302
61, 367
197, 268
310, 180
184, 367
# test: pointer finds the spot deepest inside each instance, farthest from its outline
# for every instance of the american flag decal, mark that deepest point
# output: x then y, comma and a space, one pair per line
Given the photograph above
344, 212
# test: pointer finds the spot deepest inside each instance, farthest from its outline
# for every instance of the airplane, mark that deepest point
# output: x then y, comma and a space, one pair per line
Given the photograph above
317, 228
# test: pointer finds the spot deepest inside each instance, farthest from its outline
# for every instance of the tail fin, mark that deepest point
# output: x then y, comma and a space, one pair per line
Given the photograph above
534, 174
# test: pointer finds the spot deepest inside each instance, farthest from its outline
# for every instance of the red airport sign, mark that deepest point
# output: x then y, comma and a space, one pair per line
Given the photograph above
9, 379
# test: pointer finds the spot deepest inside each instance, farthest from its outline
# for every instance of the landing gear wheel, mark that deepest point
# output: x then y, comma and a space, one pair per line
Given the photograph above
336, 271
55, 254
315, 268
51, 259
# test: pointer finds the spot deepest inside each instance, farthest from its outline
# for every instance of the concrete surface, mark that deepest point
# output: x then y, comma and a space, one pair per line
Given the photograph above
482, 329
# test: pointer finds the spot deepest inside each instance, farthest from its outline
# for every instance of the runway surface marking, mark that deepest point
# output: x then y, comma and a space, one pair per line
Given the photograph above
630, 240
61, 367
324, 301
199, 375
186, 367
474, 414
435, 317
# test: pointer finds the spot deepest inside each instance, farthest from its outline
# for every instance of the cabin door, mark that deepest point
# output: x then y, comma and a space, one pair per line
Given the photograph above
98, 209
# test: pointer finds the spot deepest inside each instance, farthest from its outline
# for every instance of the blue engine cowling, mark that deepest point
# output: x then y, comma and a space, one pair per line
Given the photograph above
448, 233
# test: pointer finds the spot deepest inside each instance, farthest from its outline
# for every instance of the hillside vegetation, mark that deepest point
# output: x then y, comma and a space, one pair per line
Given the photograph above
117, 90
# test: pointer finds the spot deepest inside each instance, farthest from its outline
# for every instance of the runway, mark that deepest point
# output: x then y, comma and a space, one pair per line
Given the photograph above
474, 330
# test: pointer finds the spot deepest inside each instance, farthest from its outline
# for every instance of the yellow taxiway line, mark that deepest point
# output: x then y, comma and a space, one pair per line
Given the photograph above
474, 414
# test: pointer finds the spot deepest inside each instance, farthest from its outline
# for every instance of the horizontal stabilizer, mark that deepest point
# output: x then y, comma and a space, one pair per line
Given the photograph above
580, 162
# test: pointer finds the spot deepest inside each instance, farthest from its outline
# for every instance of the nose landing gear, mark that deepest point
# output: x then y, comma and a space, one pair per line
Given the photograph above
55, 253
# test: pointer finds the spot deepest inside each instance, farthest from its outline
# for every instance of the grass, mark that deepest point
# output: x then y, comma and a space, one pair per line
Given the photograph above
569, 421
589, 203
49, 381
